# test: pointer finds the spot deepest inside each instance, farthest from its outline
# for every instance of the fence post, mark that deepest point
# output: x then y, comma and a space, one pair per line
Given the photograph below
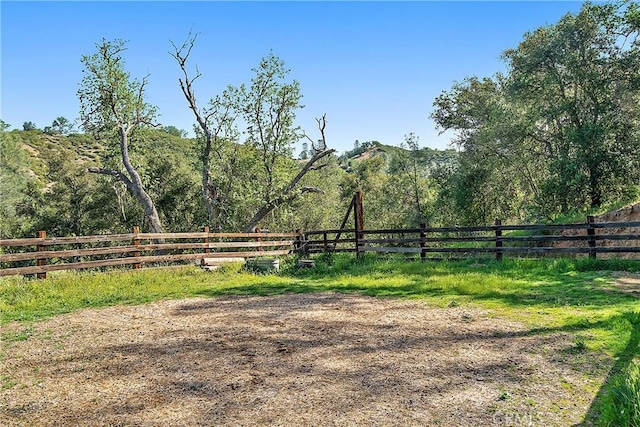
136, 242
304, 238
41, 261
326, 243
423, 243
259, 238
359, 220
206, 240
498, 240
297, 244
591, 233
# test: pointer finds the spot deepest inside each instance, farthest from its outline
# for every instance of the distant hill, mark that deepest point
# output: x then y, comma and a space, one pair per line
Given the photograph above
30, 153
432, 158
32, 163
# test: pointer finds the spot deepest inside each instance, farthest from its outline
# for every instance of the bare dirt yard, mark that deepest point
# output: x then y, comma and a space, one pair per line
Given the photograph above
297, 360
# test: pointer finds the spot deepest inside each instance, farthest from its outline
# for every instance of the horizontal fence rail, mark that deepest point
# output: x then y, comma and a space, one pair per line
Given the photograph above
43, 254
588, 238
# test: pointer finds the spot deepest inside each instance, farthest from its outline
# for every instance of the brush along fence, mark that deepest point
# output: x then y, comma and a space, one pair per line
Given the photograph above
43, 254
589, 238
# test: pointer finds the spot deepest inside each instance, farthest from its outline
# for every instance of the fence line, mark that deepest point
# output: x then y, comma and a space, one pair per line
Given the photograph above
499, 239
136, 249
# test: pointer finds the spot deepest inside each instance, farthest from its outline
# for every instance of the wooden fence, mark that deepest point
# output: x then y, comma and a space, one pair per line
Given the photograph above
498, 240
43, 254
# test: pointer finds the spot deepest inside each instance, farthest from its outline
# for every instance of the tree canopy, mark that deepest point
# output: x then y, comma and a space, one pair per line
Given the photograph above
559, 131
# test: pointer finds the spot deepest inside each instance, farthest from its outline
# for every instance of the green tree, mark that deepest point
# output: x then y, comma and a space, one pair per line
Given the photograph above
269, 107
172, 130
218, 136
62, 125
113, 105
498, 166
4, 125
260, 176
559, 131
27, 126
20, 192
65, 206
410, 174
578, 83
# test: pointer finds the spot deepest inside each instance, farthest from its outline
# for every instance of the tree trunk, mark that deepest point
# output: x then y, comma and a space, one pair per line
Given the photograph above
262, 212
137, 188
208, 190
596, 197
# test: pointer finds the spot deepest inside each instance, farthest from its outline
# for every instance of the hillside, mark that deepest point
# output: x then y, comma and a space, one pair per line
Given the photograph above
31, 156
45, 186
428, 157
44, 183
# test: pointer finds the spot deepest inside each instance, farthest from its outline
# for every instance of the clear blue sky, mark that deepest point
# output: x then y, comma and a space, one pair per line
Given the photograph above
373, 67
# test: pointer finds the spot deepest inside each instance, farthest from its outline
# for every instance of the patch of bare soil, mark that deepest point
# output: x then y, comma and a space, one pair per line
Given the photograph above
295, 360
627, 283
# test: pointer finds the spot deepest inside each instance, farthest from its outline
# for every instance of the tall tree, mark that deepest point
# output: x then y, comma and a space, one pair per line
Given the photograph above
217, 131
410, 173
269, 109
498, 165
62, 125
113, 105
579, 84
560, 130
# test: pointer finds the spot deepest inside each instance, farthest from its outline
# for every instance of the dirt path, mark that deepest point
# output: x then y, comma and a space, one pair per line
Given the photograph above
296, 360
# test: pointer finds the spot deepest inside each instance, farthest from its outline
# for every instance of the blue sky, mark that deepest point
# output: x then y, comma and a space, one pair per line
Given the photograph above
373, 67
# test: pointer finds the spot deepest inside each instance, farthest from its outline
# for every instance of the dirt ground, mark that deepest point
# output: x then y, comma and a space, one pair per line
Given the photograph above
627, 283
319, 359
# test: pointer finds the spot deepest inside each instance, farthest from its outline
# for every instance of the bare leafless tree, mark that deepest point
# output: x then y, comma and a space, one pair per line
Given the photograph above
217, 125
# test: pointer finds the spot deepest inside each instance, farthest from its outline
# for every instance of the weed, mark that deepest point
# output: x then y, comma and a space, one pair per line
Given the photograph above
504, 395
17, 336
621, 404
7, 382
579, 345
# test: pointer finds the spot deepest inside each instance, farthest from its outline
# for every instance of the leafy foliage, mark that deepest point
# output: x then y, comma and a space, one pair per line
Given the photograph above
557, 133
27, 126
621, 404
560, 132
113, 106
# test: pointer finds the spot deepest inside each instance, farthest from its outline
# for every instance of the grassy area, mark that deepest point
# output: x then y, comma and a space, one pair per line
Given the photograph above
570, 295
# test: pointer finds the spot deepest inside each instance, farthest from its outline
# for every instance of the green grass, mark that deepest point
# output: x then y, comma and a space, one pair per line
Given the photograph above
621, 405
562, 295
